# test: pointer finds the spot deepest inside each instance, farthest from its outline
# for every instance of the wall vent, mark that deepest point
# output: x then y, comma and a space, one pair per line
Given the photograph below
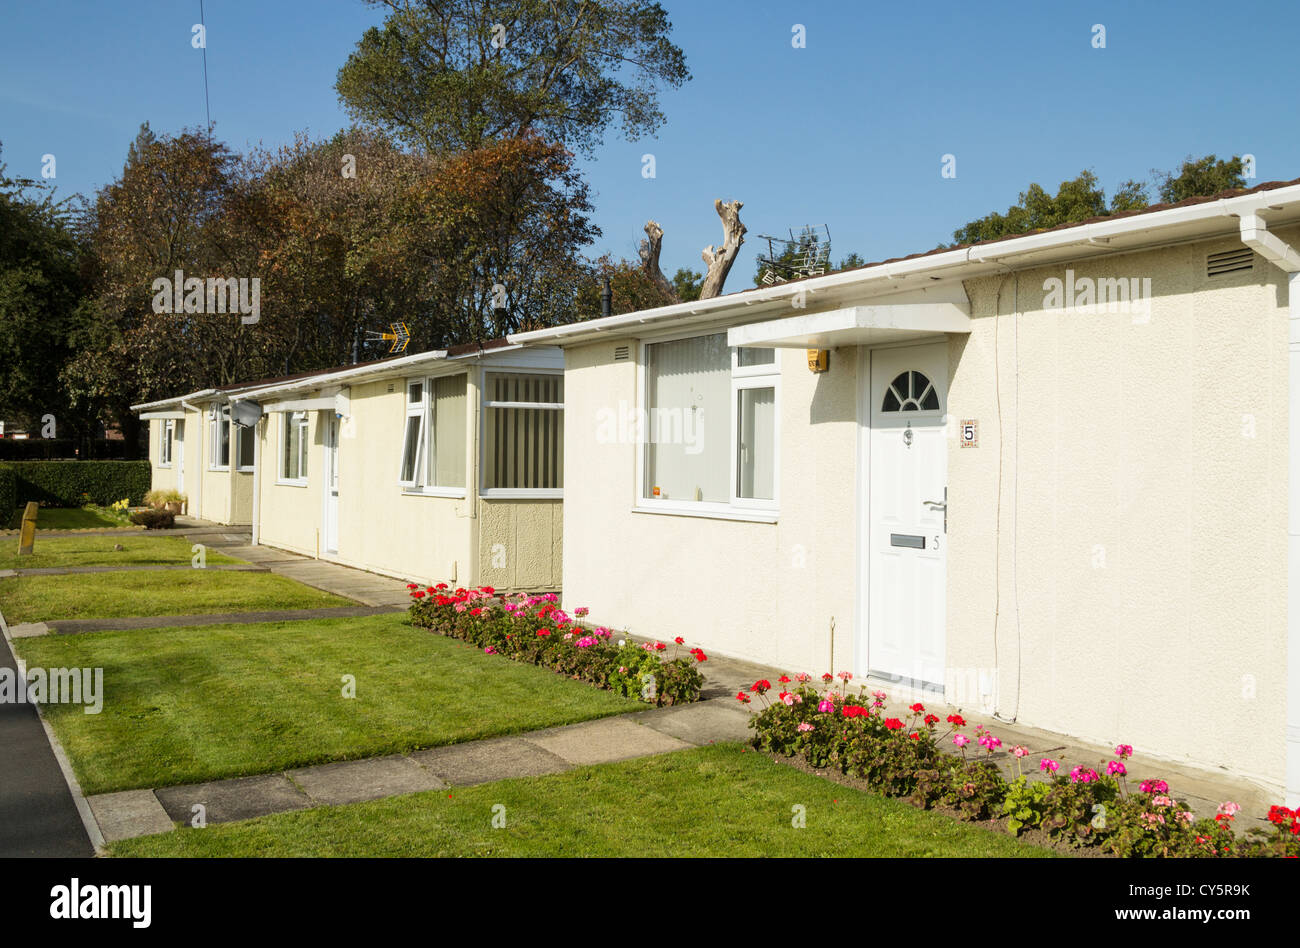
1229, 261
621, 353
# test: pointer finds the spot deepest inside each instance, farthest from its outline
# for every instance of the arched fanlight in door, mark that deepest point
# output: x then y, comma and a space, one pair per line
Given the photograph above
911, 391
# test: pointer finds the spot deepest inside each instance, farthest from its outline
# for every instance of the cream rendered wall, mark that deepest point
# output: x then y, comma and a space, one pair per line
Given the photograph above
1132, 570
289, 514
241, 497
381, 526
160, 477
762, 591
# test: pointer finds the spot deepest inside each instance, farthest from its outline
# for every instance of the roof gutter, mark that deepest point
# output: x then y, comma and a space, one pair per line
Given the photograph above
1255, 235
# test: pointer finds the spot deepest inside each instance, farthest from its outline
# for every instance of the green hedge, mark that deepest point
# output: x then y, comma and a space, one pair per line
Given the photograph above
8, 494
62, 483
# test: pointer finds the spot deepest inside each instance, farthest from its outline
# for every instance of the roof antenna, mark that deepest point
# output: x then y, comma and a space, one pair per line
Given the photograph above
207, 105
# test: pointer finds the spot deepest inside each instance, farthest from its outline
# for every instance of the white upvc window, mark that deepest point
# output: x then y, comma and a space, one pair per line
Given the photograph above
433, 438
295, 440
523, 435
709, 428
166, 436
246, 446
219, 428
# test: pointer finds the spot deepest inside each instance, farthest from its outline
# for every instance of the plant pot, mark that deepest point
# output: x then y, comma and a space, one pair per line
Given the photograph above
174, 507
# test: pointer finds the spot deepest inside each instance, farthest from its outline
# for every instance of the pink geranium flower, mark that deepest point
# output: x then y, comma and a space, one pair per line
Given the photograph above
1047, 765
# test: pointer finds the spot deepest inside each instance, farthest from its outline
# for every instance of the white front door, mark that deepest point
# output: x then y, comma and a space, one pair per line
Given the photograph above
178, 454
332, 484
907, 546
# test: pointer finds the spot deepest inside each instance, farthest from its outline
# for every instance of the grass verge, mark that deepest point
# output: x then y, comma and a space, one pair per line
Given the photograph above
710, 801
98, 551
194, 704
154, 593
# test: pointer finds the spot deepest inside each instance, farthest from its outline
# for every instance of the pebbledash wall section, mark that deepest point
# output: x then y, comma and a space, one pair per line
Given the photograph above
1116, 542
467, 539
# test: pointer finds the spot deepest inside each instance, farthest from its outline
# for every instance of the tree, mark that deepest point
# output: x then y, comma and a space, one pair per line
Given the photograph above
1078, 199
1081, 199
446, 75
1199, 177
40, 291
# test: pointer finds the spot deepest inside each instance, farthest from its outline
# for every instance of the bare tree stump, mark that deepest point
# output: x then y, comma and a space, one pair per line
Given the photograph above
719, 261
649, 253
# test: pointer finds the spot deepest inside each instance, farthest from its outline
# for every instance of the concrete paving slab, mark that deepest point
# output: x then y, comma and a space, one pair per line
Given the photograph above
7, 573
463, 765
354, 781
227, 800
128, 814
706, 722
599, 742
26, 630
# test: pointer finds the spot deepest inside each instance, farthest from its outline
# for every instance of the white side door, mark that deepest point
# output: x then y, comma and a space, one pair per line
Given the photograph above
331, 517
907, 546
178, 454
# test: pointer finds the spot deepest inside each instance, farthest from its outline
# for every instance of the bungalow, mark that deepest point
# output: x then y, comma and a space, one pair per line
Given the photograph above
197, 450
443, 466
1005, 476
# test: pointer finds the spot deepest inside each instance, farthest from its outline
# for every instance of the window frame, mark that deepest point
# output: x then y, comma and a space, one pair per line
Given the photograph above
485, 405
166, 442
289, 420
758, 510
425, 410
218, 420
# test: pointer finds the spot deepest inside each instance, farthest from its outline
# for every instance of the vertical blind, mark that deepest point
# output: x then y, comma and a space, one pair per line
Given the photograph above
524, 447
447, 451
688, 386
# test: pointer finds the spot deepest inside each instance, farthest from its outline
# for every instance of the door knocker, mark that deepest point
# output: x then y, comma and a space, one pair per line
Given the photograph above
907, 435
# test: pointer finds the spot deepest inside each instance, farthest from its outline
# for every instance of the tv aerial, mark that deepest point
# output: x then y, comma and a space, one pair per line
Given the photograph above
399, 337
805, 255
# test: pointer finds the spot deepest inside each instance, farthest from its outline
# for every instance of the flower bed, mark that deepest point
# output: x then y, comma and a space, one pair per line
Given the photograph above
906, 757
534, 629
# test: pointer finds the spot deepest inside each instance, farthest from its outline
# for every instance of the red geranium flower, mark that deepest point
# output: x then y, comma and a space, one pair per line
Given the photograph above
679, 640
417, 594
854, 711
893, 724
742, 698
543, 631
410, 586
956, 720
917, 708
784, 680
914, 736
761, 686
932, 719
828, 677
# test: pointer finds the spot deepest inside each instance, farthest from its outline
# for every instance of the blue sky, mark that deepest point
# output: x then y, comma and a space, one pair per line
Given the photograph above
848, 132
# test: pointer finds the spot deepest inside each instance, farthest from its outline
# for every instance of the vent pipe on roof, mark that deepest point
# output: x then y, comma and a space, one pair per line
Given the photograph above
1255, 234
606, 298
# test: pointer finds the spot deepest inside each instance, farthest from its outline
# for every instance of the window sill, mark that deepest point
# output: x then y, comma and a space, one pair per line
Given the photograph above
522, 493
450, 493
220, 470
245, 470
284, 483
749, 515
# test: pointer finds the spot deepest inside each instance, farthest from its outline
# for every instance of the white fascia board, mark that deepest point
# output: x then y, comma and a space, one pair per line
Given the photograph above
162, 415
176, 400
368, 373
854, 326
1138, 231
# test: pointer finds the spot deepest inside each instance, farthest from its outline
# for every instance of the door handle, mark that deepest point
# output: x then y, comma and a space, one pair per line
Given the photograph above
940, 503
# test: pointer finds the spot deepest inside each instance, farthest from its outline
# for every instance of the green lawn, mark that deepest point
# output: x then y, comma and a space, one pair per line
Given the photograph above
98, 551
194, 704
711, 801
153, 593
77, 518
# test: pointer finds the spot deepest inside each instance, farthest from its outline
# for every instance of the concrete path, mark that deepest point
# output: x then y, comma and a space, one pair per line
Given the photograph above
550, 751
38, 814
